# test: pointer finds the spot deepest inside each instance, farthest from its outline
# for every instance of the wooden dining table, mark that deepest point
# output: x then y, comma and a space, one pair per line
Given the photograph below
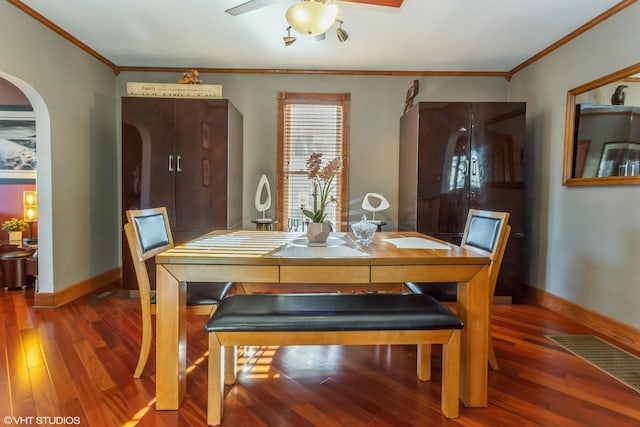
273, 260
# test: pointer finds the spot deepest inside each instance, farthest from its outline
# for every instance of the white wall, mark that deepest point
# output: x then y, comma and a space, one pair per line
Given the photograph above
377, 103
73, 97
584, 241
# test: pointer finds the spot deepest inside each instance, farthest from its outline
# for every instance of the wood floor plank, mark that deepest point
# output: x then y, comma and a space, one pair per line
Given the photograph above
17, 368
44, 393
5, 388
93, 366
24, 316
56, 366
78, 360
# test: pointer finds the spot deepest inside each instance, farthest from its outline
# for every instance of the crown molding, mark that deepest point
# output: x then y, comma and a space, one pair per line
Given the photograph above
329, 72
505, 74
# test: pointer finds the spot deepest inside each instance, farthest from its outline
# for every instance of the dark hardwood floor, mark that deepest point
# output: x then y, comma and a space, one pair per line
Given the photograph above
74, 365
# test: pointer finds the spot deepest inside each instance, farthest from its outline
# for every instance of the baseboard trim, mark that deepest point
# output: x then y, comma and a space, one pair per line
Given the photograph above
73, 292
607, 326
502, 300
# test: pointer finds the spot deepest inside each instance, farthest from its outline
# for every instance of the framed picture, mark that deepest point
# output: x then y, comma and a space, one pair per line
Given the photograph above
206, 135
620, 158
206, 172
17, 145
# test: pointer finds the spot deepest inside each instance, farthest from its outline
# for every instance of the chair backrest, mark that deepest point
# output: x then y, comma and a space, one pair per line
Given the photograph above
152, 233
488, 232
148, 233
483, 230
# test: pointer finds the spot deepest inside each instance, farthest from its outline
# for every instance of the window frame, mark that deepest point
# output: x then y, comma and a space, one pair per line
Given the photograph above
343, 99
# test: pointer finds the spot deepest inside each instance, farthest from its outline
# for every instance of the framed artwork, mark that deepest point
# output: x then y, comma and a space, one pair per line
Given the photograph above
206, 135
619, 158
17, 145
206, 172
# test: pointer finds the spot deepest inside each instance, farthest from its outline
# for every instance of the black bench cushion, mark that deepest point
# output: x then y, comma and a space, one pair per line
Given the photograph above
204, 293
331, 312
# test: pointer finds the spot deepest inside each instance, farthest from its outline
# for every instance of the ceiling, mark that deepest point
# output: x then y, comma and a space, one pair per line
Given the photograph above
421, 35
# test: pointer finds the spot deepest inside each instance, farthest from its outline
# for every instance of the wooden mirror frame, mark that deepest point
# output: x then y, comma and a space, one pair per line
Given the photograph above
567, 179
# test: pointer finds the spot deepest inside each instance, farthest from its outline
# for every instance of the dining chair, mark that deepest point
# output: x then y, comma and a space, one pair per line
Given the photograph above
148, 233
486, 232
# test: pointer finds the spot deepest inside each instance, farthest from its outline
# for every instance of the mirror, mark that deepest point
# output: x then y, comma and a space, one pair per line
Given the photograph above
602, 131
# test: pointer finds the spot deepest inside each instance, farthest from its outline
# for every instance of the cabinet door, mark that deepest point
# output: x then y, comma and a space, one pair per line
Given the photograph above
147, 143
497, 181
443, 164
200, 136
147, 147
497, 153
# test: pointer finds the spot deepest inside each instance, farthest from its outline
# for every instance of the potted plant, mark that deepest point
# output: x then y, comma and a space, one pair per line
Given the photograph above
15, 227
323, 182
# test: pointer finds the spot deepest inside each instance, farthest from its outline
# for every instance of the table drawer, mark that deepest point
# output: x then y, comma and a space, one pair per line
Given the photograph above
324, 274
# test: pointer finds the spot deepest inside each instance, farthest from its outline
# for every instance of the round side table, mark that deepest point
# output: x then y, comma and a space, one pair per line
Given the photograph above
14, 271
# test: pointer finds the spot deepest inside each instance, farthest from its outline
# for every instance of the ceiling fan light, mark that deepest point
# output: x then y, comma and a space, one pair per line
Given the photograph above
311, 17
288, 39
342, 34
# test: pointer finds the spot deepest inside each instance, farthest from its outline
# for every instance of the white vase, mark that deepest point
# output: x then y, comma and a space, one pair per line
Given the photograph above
318, 232
15, 237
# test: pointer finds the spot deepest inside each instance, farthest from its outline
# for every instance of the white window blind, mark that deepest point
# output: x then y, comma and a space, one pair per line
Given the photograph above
310, 127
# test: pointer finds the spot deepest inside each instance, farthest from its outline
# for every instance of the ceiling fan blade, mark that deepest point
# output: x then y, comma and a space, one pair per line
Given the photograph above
249, 6
388, 3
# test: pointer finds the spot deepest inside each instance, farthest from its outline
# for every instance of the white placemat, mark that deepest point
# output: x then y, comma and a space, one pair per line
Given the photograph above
337, 247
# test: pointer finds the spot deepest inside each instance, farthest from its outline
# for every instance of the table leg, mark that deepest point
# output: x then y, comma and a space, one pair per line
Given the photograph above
171, 340
473, 309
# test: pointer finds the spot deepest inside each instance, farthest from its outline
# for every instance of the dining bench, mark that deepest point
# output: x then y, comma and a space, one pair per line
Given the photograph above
332, 319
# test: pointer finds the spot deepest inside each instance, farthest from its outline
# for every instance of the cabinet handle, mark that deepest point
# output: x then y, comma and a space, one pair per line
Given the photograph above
178, 158
474, 167
170, 163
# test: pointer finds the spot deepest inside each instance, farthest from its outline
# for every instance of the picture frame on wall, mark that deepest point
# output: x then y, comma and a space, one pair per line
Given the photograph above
17, 146
620, 158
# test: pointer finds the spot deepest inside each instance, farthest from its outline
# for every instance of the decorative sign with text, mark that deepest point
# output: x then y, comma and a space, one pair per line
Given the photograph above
173, 90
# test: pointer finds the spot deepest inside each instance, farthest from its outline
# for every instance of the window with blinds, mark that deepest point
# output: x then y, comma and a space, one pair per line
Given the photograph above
310, 123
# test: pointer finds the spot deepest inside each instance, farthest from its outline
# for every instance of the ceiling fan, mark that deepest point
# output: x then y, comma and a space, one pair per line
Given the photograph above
257, 4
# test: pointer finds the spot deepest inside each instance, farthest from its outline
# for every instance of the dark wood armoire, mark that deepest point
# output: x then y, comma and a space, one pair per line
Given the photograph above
456, 156
186, 155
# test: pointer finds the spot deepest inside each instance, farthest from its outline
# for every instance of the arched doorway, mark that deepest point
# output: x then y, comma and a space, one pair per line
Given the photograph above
43, 182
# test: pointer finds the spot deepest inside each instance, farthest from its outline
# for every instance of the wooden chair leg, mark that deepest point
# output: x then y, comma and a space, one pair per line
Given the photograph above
230, 364
215, 384
145, 345
493, 362
424, 362
450, 400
